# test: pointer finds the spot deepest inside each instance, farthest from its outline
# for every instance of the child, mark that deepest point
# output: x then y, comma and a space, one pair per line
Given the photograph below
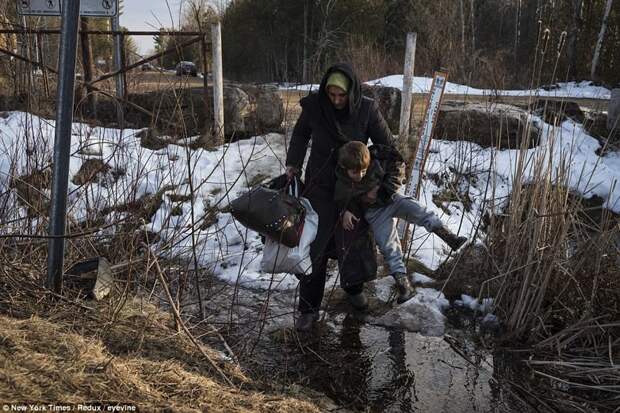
367, 183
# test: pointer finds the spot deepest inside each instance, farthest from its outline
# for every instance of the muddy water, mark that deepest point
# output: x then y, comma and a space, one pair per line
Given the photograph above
360, 366
373, 369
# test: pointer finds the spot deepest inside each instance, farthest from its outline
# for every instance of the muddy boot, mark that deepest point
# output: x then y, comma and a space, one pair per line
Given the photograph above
454, 242
404, 287
306, 320
358, 301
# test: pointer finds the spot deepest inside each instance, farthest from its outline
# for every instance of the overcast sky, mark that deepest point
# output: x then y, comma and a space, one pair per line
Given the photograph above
153, 14
149, 15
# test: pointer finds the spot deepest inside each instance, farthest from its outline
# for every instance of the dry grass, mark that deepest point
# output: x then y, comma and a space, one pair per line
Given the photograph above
557, 288
61, 350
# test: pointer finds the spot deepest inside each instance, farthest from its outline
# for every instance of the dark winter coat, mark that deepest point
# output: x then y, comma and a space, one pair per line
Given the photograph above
386, 170
329, 129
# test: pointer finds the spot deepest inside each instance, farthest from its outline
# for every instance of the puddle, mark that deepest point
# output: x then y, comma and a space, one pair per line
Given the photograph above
360, 366
374, 369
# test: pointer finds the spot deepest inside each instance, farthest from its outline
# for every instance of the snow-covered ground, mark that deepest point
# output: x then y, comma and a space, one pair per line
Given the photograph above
582, 89
232, 251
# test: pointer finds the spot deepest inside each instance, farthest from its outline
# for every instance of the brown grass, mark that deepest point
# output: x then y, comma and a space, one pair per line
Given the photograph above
61, 350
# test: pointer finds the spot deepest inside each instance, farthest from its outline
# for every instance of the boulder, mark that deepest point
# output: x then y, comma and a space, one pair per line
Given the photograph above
267, 107
91, 170
388, 99
497, 125
249, 110
237, 112
150, 138
32, 191
557, 111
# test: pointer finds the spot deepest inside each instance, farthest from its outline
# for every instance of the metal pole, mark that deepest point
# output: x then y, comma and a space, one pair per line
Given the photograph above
117, 58
218, 83
62, 142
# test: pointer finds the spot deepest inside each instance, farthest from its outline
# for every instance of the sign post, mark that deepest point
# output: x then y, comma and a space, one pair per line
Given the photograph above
70, 11
62, 142
424, 143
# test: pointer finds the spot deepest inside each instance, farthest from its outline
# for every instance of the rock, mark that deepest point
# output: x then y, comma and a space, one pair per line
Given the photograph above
236, 111
481, 124
150, 138
32, 191
269, 109
595, 125
90, 171
420, 314
389, 101
557, 111
179, 197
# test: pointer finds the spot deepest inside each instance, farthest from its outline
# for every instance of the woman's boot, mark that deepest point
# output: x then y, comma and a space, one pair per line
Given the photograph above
404, 287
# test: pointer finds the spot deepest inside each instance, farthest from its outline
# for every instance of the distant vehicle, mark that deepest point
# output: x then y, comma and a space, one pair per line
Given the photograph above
186, 68
147, 67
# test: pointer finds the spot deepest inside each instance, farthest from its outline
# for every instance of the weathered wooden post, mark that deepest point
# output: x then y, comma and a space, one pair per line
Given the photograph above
118, 63
41, 58
87, 64
406, 96
218, 84
205, 81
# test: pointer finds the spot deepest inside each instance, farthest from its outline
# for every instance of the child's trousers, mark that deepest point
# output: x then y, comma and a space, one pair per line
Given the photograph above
382, 220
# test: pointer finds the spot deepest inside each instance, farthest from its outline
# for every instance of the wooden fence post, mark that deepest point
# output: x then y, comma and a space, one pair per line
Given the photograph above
406, 96
218, 84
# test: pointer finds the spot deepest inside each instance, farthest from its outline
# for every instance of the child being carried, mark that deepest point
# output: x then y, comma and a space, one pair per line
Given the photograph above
367, 183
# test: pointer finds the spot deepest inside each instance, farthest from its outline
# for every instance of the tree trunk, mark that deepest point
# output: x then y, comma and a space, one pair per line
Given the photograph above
571, 41
599, 43
462, 27
473, 26
517, 31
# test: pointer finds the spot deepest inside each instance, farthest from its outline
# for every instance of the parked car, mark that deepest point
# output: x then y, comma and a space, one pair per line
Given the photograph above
147, 67
186, 68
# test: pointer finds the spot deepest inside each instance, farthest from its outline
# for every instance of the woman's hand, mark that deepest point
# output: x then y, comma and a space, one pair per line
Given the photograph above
291, 171
349, 220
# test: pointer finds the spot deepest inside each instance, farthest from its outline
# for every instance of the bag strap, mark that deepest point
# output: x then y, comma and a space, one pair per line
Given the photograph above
292, 187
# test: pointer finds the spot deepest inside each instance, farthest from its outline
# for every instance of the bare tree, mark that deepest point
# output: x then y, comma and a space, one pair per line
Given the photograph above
517, 29
473, 25
571, 41
462, 26
601, 36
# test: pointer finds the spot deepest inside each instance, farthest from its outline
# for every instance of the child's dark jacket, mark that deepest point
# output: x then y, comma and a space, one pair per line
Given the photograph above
386, 170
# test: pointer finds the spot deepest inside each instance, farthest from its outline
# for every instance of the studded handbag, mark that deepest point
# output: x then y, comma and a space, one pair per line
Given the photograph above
274, 213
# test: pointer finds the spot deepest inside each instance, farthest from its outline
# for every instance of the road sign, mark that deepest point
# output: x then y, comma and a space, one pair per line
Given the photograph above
89, 8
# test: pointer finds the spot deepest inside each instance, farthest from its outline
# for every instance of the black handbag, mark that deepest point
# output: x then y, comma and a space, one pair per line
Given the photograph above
275, 213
